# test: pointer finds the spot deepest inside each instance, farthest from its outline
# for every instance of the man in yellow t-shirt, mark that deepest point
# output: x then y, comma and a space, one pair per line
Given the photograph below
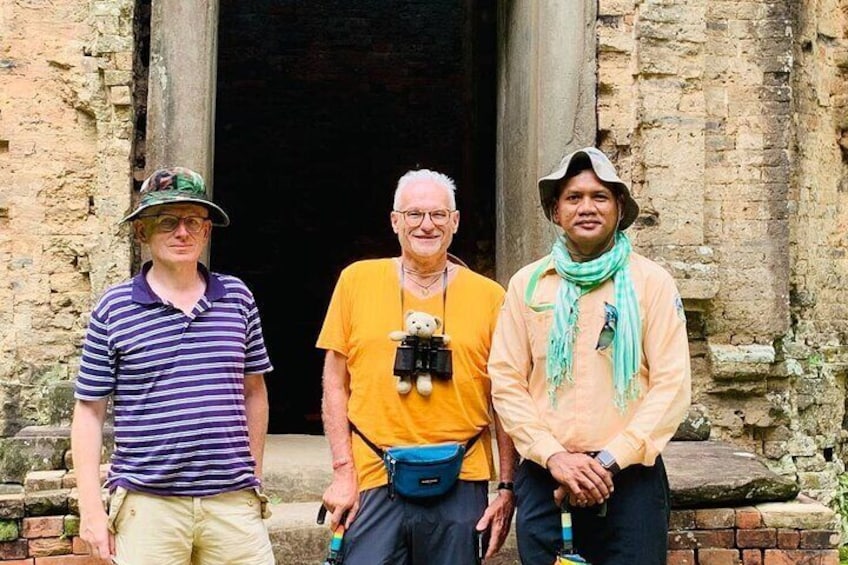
360, 387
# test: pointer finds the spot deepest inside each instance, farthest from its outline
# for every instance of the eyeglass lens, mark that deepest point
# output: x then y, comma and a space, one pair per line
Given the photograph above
416, 217
168, 223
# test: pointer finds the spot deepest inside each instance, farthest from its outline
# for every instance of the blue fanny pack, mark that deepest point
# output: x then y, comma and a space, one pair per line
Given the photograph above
421, 471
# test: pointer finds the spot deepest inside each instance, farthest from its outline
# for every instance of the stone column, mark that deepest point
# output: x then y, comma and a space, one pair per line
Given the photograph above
546, 108
181, 91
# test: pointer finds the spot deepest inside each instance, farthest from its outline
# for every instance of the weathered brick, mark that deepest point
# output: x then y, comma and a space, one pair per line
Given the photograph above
12, 506
43, 527
682, 520
715, 518
800, 557
69, 481
752, 557
43, 480
14, 549
714, 538
682, 539
715, 556
796, 514
46, 503
79, 546
818, 539
762, 537
681, 557
788, 539
748, 518
41, 547
67, 560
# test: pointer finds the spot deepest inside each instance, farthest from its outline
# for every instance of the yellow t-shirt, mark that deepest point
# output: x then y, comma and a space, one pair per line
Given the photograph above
365, 307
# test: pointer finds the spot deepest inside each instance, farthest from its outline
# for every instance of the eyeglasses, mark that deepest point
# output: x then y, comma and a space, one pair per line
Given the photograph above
167, 223
416, 217
608, 331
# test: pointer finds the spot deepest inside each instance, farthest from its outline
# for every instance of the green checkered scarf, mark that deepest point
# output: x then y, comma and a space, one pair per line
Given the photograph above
577, 280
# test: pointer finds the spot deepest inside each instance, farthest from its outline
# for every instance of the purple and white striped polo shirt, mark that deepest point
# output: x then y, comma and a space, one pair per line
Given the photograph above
177, 383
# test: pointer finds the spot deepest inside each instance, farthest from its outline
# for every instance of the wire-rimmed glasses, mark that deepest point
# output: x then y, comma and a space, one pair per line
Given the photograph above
415, 218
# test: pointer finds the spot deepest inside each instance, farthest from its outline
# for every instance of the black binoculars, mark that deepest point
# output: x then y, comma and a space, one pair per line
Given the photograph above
417, 355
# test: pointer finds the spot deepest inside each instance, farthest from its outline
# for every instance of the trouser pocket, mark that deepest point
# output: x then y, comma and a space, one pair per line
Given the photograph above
116, 502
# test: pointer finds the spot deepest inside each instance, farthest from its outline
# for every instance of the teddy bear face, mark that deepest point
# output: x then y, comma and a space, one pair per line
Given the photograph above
422, 324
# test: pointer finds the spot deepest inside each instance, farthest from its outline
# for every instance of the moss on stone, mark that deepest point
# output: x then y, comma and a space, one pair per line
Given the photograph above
8, 530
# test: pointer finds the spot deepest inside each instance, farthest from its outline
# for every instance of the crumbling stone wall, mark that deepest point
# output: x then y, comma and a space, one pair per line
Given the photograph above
729, 119
66, 134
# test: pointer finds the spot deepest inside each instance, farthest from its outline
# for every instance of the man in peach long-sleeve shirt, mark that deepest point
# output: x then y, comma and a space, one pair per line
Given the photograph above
591, 376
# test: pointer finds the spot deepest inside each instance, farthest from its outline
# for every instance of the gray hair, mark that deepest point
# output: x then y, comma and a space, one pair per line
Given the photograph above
426, 174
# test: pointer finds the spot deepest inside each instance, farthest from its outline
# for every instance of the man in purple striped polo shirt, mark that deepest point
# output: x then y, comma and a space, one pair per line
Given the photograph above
180, 353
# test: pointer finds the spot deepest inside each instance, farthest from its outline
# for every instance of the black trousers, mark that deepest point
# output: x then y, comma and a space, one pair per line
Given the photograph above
634, 530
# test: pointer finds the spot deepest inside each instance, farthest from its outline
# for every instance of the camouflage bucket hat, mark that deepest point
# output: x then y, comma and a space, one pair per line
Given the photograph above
177, 185
604, 170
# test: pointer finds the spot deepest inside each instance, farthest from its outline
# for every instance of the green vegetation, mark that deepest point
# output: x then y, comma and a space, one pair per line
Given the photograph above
842, 510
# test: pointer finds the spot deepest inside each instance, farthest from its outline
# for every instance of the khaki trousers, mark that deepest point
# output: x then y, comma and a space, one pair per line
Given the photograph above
225, 529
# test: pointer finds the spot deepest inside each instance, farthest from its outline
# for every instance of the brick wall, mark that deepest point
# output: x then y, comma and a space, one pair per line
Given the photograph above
799, 532
39, 522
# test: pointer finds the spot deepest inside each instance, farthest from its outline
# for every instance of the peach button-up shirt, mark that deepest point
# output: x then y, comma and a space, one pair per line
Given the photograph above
584, 416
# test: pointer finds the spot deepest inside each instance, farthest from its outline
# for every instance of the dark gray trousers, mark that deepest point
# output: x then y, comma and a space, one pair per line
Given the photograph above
407, 532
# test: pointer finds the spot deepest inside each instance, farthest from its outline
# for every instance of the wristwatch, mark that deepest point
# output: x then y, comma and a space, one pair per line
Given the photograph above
607, 461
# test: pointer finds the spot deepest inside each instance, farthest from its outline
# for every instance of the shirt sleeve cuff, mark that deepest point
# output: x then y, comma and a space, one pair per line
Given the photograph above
543, 449
623, 452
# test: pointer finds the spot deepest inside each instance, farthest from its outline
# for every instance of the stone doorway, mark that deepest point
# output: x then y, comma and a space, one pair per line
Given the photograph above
320, 107
446, 104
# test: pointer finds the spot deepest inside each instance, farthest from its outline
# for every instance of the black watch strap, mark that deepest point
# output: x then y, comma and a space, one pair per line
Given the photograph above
506, 485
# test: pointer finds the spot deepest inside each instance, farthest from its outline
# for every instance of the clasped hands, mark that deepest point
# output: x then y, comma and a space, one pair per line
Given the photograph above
581, 479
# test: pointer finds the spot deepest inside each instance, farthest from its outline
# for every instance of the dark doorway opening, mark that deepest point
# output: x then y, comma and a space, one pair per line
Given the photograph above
321, 106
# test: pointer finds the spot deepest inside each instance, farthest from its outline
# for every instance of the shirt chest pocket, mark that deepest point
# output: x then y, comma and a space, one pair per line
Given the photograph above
538, 328
595, 331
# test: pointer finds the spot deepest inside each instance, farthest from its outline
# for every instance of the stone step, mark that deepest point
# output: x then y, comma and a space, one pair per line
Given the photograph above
296, 468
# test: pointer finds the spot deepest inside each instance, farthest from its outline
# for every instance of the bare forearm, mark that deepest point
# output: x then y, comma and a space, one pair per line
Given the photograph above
256, 411
86, 448
507, 455
334, 408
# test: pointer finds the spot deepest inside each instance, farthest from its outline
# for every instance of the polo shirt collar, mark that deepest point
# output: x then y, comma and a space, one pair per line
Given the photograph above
143, 294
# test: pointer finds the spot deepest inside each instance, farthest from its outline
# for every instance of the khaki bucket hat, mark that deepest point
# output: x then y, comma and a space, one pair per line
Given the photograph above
604, 170
177, 185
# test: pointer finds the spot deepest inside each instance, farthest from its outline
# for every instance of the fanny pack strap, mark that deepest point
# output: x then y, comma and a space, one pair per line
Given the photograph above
380, 453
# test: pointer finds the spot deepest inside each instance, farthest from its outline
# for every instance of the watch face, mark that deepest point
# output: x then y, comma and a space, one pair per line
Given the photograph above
606, 459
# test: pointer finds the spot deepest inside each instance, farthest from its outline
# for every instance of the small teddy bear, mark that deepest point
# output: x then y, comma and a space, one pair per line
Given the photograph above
420, 329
